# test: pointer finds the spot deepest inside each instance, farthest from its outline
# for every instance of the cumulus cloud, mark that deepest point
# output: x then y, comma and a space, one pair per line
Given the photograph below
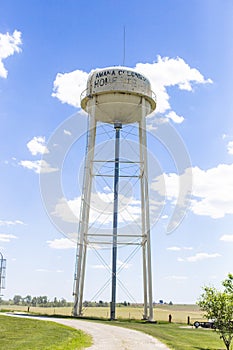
38, 166
168, 72
174, 117
4, 237
11, 222
202, 256
101, 209
42, 270
230, 147
67, 132
212, 193
174, 249
37, 145
176, 278
226, 238
163, 73
68, 87
61, 243
177, 249
68, 210
9, 44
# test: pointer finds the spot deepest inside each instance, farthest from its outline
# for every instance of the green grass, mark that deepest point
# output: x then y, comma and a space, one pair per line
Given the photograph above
24, 334
178, 336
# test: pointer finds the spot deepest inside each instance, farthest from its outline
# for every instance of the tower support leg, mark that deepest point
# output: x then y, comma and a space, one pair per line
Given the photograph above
84, 219
147, 268
143, 226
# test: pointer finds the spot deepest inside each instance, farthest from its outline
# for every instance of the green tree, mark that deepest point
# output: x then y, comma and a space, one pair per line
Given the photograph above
34, 301
63, 302
218, 305
55, 302
17, 299
27, 299
44, 300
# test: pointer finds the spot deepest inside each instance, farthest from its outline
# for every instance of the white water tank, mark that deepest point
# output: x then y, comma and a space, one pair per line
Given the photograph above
118, 94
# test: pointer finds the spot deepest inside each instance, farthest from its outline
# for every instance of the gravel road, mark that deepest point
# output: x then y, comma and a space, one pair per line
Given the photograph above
107, 337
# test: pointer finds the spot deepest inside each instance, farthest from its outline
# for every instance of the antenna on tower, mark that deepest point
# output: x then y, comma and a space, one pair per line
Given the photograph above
123, 46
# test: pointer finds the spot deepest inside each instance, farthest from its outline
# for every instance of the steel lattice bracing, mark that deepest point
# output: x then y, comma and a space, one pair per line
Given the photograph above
88, 239
118, 97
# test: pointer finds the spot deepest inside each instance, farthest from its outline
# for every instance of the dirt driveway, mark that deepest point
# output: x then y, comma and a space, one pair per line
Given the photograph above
107, 337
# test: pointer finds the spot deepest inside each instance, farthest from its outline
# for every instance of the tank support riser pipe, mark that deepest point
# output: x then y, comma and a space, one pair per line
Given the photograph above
115, 220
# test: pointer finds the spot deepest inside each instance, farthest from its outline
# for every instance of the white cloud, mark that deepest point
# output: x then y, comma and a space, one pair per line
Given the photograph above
170, 72
213, 189
212, 192
164, 73
176, 278
68, 210
68, 87
177, 249
38, 166
9, 44
174, 249
226, 238
107, 189
230, 147
202, 256
11, 222
101, 209
174, 117
61, 243
180, 259
37, 145
67, 132
4, 237
164, 216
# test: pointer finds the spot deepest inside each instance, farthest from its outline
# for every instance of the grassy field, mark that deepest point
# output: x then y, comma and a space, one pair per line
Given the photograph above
179, 313
21, 334
179, 337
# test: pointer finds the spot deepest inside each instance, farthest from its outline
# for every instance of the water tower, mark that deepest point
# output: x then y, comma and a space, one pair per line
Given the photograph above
118, 96
2, 272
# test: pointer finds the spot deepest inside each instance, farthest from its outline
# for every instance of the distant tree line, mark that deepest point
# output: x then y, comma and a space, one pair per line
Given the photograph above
102, 303
36, 301
45, 302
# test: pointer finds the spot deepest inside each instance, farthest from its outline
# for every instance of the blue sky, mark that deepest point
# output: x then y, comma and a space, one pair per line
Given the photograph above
46, 52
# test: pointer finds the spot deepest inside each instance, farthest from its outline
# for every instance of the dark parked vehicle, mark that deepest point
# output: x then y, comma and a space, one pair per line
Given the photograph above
204, 324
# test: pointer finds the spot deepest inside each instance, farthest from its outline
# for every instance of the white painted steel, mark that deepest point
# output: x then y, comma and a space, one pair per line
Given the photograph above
84, 214
118, 92
143, 223
116, 95
147, 218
